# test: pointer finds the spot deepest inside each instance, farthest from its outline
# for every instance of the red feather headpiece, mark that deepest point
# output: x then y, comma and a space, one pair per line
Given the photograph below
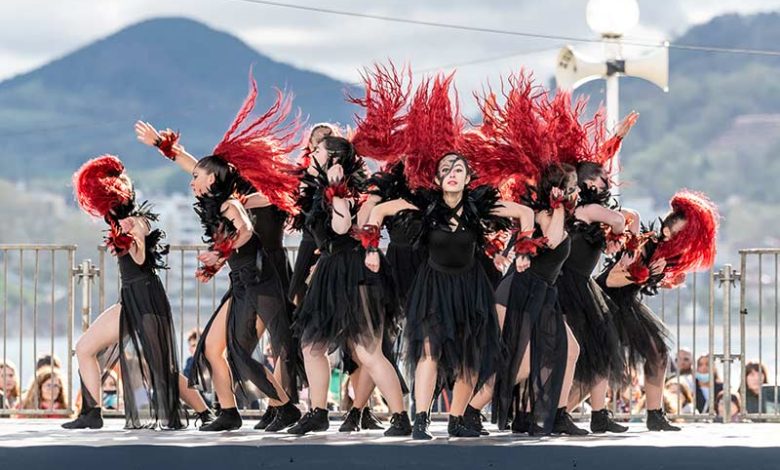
694, 247
378, 135
433, 128
260, 150
100, 187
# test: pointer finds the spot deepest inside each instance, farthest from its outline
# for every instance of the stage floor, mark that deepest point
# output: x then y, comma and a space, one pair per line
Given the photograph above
32, 444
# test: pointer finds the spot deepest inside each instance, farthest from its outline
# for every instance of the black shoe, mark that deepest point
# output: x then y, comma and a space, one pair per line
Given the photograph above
601, 421
351, 421
472, 418
522, 424
284, 416
314, 421
399, 425
228, 420
656, 421
89, 419
457, 428
368, 420
420, 430
267, 418
564, 424
205, 417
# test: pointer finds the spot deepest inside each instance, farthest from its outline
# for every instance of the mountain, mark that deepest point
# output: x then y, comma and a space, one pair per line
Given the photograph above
174, 72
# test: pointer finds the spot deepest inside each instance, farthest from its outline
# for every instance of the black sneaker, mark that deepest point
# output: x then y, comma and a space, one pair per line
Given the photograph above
351, 421
601, 421
399, 425
457, 428
656, 421
267, 418
284, 416
472, 418
314, 421
228, 420
368, 420
564, 424
420, 430
205, 417
89, 419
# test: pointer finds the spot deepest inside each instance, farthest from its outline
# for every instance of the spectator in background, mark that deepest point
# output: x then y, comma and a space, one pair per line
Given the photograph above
46, 392
679, 396
192, 342
705, 374
48, 360
755, 378
720, 408
110, 393
9, 384
683, 367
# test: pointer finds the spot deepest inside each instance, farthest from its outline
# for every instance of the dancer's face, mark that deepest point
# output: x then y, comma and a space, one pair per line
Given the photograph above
201, 181
452, 174
599, 181
571, 190
320, 155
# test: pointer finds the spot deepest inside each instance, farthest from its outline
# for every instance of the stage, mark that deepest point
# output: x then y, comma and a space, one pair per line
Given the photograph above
42, 444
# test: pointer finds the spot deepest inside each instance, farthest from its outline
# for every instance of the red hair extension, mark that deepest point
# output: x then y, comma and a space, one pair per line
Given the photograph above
433, 128
100, 187
259, 151
569, 137
693, 248
378, 134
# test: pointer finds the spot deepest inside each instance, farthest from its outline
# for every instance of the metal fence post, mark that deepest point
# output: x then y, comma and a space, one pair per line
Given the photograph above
85, 273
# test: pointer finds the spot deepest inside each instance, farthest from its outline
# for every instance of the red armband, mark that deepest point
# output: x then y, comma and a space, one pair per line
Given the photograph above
526, 245
165, 143
638, 273
118, 241
494, 246
336, 190
369, 236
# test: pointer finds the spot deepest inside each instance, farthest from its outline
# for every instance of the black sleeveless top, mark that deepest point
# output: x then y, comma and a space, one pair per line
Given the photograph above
130, 271
245, 255
452, 251
268, 224
587, 241
549, 262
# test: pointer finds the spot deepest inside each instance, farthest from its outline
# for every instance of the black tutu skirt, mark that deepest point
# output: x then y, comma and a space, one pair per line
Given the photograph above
533, 323
642, 334
589, 313
255, 290
456, 313
305, 259
404, 261
146, 353
346, 303
493, 274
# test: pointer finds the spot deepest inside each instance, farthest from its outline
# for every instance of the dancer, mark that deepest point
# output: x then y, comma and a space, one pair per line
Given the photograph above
138, 330
246, 160
685, 242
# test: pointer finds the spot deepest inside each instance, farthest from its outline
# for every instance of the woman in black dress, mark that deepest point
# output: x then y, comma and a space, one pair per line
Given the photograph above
247, 175
138, 331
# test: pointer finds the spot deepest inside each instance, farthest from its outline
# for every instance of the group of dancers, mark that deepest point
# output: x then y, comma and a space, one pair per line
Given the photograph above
486, 286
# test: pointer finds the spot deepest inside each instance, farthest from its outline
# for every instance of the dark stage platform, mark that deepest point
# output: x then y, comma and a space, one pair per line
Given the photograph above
41, 444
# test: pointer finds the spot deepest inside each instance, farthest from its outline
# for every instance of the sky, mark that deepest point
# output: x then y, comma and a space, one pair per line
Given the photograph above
35, 32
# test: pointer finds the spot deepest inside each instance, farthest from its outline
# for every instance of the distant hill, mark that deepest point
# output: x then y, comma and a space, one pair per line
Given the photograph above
172, 71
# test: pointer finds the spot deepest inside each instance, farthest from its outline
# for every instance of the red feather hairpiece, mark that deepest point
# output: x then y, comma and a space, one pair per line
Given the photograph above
259, 151
99, 187
378, 134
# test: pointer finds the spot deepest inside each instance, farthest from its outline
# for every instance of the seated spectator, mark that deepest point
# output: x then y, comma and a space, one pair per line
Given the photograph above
111, 392
679, 396
48, 360
683, 367
192, 342
704, 374
755, 377
46, 392
720, 408
9, 384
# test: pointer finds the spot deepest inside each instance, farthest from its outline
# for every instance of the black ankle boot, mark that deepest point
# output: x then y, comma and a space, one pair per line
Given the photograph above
228, 420
268, 418
315, 420
284, 416
522, 423
420, 430
656, 421
368, 420
87, 419
399, 425
472, 418
457, 428
601, 421
564, 424
205, 417
351, 421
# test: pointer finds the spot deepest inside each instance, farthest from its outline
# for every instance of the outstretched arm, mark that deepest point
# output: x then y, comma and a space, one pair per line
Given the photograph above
147, 134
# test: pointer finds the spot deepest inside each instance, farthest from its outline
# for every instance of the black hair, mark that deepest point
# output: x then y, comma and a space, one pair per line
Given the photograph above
588, 170
225, 175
